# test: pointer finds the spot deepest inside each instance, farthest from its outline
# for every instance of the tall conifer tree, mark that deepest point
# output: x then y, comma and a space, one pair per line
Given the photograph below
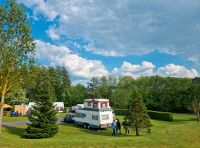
43, 116
137, 114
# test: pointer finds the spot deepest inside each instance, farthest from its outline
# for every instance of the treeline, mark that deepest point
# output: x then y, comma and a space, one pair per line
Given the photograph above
159, 93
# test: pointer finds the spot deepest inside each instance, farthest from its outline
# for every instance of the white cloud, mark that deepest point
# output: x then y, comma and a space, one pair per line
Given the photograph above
76, 65
52, 33
148, 69
126, 27
128, 69
84, 69
177, 71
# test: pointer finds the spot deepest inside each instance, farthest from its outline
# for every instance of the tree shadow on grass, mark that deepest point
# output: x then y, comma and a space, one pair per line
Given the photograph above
185, 120
19, 131
97, 132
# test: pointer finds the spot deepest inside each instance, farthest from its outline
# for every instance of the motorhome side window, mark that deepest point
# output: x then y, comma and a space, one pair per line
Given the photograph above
105, 117
95, 105
103, 105
95, 117
80, 115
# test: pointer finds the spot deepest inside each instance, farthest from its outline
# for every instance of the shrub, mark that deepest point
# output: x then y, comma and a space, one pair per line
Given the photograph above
165, 116
121, 112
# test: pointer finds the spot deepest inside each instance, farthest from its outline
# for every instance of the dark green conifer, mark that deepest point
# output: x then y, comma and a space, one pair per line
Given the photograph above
137, 114
43, 116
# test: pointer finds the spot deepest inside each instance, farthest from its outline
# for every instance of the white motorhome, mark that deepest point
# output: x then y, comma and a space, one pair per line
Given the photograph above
96, 113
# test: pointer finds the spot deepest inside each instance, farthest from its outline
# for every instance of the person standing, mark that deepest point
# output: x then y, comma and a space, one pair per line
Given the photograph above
118, 127
114, 126
125, 124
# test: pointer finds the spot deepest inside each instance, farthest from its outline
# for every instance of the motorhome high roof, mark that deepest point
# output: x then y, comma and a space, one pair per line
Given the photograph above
96, 100
96, 103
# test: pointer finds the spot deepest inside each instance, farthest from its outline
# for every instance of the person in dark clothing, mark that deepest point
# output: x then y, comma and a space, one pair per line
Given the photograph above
118, 127
126, 128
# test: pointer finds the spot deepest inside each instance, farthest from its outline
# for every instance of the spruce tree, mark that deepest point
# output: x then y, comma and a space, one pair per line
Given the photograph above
137, 114
43, 116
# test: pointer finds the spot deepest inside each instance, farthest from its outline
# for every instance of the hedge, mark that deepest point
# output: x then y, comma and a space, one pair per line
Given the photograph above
165, 116
120, 112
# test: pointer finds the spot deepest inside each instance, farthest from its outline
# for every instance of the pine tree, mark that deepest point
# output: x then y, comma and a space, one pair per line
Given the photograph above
43, 116
137, 114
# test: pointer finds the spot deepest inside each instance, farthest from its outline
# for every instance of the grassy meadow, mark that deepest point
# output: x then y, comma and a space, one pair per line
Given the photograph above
184, 131
13, 119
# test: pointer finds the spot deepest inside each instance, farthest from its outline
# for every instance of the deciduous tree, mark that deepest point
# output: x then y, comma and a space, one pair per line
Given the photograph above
16, 47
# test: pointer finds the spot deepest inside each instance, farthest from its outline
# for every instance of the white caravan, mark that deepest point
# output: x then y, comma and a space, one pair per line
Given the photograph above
59, 106
96, 113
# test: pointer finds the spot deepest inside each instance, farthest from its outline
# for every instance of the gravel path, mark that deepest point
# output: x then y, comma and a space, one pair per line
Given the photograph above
24, 122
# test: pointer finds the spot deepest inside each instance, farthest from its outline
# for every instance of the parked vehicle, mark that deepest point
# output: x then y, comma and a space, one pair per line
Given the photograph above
77, 107
96, 114
69, 118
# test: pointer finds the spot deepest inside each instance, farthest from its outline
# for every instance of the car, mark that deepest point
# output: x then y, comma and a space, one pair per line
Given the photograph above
69, 118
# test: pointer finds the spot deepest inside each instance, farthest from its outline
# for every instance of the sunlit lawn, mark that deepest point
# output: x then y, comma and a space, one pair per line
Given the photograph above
20, 118
183, 132
12, 119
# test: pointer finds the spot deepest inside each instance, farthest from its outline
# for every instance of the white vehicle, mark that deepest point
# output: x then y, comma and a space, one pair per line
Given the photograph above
59, 106
96, 114
77, 107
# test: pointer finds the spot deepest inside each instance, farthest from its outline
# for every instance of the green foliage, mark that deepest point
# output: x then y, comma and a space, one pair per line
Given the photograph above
59, 80
137, 114
163, 94
16, 48
121, 112
16, 45
61, 83
43, 116
17, 97
102, 87
165, 116
78, 94
121, 96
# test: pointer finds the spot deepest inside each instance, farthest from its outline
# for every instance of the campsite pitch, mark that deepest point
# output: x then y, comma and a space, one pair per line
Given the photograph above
182, 132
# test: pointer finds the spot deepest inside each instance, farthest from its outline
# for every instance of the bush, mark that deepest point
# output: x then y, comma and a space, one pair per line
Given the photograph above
121, 112
165, 116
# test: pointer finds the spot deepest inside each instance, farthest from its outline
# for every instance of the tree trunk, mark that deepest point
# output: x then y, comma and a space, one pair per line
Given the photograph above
1, 114
137, 131
198, 112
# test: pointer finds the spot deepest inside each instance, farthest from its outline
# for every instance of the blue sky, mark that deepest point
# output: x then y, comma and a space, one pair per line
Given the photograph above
117, 37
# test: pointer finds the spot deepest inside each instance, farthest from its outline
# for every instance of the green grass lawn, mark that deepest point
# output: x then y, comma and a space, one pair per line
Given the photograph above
61, 114
13, 119
184, 131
